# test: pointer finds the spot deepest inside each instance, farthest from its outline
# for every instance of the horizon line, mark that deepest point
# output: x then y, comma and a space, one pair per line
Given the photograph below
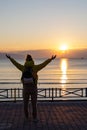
42, 50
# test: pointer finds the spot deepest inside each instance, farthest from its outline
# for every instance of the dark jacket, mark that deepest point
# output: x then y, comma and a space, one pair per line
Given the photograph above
36, 68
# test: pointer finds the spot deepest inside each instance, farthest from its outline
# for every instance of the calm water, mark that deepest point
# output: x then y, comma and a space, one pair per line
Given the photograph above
65, 73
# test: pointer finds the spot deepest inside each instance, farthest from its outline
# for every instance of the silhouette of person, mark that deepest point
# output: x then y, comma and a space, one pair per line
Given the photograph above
30, 89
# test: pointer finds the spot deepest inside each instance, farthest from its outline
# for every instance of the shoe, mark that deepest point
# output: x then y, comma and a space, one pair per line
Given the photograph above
35, 120
25, 119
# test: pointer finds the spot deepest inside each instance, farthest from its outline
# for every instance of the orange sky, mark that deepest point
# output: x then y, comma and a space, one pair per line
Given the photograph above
39, 24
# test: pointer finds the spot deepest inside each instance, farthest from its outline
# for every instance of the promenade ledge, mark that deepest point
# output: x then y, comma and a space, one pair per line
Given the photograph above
58, 109
59, 115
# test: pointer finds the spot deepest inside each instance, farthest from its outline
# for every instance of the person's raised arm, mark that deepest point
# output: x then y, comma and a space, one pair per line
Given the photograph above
46, 62
18, 65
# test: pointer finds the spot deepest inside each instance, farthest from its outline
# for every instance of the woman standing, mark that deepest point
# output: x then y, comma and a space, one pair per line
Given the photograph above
29, 87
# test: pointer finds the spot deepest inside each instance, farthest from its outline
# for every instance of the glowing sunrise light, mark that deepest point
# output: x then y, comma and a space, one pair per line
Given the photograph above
63, 47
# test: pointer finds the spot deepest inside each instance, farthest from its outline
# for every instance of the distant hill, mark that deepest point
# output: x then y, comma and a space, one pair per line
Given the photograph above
34, 53
82, 53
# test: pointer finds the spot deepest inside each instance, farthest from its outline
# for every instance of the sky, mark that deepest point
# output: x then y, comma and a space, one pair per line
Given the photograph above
42, 24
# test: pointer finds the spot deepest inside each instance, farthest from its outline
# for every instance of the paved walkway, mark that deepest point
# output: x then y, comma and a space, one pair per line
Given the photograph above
67, 115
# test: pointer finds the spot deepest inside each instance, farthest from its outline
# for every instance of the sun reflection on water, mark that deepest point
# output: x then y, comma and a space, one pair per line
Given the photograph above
64, 65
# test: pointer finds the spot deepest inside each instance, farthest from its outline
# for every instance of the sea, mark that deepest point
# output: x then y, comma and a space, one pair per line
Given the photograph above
60, 73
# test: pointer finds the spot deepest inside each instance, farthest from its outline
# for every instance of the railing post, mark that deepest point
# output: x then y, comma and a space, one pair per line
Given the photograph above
18, 93
60, 92
11, 92
45, 92
56, 92
49, 92
15, 95
52, 94
82, 92
86, 92
7, 93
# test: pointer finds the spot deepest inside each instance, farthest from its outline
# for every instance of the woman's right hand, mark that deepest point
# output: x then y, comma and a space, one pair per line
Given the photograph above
53, 57
8, 56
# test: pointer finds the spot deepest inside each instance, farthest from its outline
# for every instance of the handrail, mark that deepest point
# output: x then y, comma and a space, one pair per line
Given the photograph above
44, 93
51, 94
45, 83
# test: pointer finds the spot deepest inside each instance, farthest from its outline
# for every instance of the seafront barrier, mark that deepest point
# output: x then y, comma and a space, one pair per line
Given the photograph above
44, 94
53, 114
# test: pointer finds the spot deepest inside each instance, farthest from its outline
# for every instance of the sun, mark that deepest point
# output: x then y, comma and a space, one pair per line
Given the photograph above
63, 47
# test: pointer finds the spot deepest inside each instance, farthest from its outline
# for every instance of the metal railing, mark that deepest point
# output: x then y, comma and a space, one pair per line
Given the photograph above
51, 94
45, 93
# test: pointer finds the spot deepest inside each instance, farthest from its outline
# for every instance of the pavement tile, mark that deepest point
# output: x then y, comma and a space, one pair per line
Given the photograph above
62, 115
